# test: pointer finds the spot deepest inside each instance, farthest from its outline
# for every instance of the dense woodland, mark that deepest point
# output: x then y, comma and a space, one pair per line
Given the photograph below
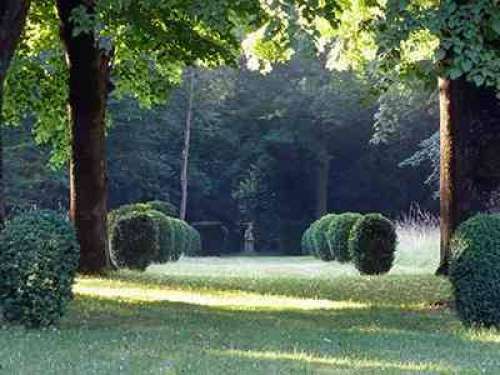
255, 151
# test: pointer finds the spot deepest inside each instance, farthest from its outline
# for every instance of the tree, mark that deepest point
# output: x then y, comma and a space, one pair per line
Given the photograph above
12, 19
187, 143
89, 64
193, 33
457, 41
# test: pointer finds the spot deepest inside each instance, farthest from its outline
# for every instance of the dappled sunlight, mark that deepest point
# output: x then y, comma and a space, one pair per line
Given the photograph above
231, 300
484, 336
341, 362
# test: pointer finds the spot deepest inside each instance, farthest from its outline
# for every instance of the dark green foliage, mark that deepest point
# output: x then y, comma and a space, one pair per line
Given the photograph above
475, 270
181, 243
372, 244
338, 235
122, 211
213, 237
307, 242
39, 256
165, 236
321, 247
165, 208
193, 247
135, 241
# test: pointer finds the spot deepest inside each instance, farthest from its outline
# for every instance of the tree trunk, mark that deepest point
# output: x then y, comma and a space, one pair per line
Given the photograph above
187, 143
12, 20
322, 186
89, 69
470, 163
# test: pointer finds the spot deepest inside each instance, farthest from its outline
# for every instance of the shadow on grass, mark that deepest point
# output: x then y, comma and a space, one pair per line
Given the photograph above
386, 290
385, 337
197, 339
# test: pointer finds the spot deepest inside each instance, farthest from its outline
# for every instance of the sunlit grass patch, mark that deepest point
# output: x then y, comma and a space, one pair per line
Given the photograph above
269, 323
234, 300
351, 363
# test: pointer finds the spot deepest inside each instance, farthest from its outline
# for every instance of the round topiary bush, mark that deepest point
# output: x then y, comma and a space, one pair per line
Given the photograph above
475, 270
320, 241
165, 236
135, 241
39, 256
193, 247
338, 235
165, 208
306, 242
372, 244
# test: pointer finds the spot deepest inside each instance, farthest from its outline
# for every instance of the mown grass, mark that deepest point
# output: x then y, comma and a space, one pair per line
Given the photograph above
254, 316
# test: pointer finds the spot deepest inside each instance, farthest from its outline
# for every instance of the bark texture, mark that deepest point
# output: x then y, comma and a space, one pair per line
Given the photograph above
470, 157
12, 20
89, 69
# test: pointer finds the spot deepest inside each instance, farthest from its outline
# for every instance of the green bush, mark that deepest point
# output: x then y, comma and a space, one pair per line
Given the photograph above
193, 247
165, 208
165, 236
320, 241
135, 241
338, 235
475, 270
39, 256
306, 243
372, 244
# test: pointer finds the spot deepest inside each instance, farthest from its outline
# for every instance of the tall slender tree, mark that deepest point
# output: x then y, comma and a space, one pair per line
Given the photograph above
187, 143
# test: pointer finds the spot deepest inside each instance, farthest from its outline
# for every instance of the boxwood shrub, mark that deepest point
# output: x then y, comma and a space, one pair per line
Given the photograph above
475, 270
135, 241
319, 235
39, 256
307, 242
165, 208
338, 235
372, 244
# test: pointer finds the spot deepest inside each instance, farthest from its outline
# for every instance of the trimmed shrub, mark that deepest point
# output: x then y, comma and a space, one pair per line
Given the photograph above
320, 240
135, 241
372, 244
165, 208
312, 244
475, 270
194, 242
165, 236
338, 235
39, 256
306, 243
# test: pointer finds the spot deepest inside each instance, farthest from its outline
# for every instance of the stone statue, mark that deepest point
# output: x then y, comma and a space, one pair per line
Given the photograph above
249, 240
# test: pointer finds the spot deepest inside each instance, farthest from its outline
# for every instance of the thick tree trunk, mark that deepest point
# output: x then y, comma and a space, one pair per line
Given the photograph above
12, 20
470, 162
88, 80
187, 143
322, 186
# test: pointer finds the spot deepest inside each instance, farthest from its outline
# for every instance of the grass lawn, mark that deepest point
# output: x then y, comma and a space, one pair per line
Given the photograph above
266, 315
